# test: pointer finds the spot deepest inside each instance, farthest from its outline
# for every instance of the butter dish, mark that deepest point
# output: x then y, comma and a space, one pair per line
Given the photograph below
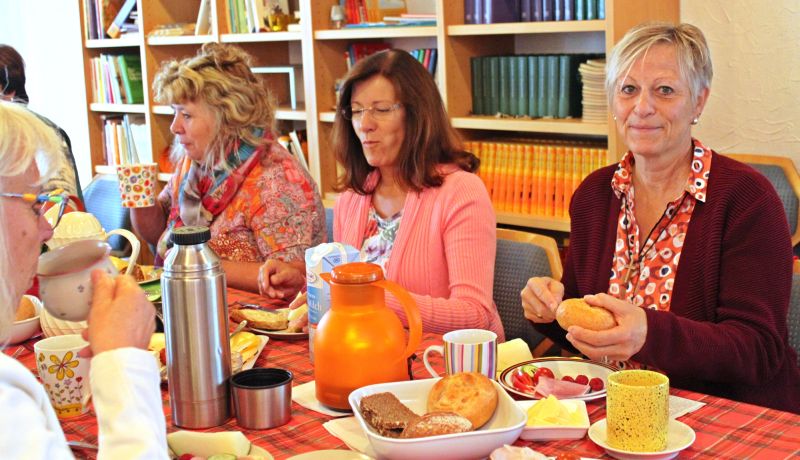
553, 432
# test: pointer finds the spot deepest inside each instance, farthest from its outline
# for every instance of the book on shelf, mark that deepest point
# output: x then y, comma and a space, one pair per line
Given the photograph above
131, 70
498, 11
202, 25
124, 12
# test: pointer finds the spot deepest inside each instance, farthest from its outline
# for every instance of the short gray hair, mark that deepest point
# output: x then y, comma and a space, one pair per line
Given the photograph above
694, 57
24, 138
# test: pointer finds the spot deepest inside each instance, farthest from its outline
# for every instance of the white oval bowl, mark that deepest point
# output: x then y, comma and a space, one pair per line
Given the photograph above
52, 326
27, 328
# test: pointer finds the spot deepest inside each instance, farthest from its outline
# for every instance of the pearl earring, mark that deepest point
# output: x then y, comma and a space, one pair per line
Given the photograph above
614, 117
695, 121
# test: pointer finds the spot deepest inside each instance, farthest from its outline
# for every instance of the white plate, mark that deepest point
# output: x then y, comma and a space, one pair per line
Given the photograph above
246, 365
279, 335
552, 432
331, 454
561, 367
504, 427
679, 437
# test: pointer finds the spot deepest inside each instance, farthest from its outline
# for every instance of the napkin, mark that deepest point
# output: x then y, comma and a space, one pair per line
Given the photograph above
681, 406
510, 353
306, 396
350, 432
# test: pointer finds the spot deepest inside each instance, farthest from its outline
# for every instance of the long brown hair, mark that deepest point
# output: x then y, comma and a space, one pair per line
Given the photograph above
429, 138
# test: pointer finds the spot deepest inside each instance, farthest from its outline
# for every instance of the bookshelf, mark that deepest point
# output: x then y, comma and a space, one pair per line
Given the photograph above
318, 50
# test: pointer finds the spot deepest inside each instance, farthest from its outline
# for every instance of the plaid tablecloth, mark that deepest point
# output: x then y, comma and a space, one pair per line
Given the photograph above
724, 428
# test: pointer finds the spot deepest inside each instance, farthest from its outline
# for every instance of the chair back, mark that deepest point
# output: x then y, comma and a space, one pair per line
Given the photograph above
521, 256
329, 223
102, 199
786, 180
793, 321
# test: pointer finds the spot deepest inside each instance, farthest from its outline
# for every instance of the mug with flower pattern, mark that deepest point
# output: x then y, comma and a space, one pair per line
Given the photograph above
137, 184
64, 374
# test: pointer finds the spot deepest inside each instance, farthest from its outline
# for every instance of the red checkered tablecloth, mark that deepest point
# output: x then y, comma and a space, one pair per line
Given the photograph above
724, 428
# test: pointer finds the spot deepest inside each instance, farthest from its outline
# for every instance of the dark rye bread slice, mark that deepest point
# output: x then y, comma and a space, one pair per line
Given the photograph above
385, 413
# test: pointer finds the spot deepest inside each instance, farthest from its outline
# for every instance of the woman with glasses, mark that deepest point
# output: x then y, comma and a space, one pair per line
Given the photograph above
262, 206
410, 200
124, 377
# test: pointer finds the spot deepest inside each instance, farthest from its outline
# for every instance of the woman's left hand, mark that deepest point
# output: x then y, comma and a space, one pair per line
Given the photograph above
619, 343
281, 280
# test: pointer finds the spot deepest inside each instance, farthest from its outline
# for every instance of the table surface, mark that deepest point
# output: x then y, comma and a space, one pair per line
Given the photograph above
724, 428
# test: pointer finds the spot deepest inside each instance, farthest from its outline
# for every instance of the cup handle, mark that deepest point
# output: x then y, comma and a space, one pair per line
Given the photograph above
430, 349
135, 246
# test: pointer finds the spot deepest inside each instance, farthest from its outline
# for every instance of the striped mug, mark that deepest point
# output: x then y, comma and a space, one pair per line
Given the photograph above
466, 350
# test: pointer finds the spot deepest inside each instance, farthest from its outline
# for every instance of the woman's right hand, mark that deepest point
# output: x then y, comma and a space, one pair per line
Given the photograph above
540, 298
121, 316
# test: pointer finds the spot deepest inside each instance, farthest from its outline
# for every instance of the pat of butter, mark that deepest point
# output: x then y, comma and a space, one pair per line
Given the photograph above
208, 444
512, 352
551, 411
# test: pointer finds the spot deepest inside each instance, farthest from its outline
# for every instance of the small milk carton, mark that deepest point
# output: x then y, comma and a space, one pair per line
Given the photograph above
321, 259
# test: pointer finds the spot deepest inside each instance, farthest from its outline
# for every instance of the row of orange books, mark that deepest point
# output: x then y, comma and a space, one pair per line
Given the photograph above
535, 178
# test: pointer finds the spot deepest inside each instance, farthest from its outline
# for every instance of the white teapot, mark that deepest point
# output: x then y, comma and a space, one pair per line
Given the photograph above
77, 226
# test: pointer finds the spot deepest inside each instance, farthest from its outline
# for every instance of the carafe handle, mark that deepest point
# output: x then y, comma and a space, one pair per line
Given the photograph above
412, 314
135, 246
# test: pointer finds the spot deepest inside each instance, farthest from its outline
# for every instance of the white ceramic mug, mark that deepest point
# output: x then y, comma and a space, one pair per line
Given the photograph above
466, 350
64, 374
65, 283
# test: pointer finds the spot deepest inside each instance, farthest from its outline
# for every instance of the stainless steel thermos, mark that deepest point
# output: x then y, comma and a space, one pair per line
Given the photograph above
196, 329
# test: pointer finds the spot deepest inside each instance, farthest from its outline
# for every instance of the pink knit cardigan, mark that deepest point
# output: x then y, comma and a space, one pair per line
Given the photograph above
443, 253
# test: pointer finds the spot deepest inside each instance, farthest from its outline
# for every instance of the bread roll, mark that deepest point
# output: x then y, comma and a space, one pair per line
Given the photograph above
469, 394
576, 312
435, 424
26, 310
260, 319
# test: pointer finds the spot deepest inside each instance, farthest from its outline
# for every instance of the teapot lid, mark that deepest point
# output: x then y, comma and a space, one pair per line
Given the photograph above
75, 224
357, 273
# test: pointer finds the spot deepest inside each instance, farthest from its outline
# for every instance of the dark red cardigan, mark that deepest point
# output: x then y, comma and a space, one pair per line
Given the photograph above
726, 331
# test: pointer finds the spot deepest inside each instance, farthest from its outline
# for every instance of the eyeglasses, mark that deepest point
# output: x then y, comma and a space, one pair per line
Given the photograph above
61, 199
380, 111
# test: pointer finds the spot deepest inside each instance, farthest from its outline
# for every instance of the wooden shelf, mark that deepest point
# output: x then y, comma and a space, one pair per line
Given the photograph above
163, 110
559, 224
105, 169
538, 125
180, 40
261, 37
375, 32
117, 108
522, 28
164, 177
287, 113
122, 42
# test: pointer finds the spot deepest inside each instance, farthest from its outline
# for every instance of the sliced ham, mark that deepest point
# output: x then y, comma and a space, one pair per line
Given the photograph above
561, 389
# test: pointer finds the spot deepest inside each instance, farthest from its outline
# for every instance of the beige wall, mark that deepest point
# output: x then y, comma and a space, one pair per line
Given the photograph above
755, 96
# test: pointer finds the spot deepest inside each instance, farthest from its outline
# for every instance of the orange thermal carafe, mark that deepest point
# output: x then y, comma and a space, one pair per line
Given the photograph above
360, 341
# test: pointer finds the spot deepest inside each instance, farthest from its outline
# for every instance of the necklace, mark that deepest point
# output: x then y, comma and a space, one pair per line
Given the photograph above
633, 264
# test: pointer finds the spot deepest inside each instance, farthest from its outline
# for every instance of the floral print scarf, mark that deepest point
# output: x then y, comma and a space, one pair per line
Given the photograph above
202, 194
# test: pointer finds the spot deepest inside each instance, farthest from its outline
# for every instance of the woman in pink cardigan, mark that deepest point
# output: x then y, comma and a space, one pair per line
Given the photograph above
410, 200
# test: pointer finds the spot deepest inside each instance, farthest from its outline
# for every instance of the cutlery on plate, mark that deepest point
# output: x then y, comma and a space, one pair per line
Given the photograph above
81, 445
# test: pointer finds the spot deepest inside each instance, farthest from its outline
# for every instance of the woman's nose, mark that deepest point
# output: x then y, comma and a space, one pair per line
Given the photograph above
45, 230
176, 127
367, 122
644, 103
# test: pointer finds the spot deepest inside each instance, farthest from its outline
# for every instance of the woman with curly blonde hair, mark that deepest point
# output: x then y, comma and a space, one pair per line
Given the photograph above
262, 206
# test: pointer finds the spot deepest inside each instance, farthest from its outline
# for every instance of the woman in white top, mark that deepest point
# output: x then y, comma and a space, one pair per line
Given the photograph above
124, 378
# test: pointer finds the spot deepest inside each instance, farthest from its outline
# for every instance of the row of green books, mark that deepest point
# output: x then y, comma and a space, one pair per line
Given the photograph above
536, 86
117, 79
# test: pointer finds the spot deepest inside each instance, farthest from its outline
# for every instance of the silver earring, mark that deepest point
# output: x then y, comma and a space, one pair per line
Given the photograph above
614, 117
695, 121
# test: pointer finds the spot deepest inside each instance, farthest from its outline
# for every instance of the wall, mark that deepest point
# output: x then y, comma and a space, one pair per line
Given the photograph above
47, 35
755, 96
754, 105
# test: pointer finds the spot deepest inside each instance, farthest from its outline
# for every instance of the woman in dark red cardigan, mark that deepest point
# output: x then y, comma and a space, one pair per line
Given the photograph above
693, 248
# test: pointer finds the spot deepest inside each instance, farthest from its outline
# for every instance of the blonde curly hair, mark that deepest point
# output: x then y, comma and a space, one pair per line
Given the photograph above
219, 76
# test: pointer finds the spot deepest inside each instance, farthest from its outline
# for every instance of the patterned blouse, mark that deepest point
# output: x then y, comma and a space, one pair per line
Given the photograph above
277, 213
645, 266
379, 237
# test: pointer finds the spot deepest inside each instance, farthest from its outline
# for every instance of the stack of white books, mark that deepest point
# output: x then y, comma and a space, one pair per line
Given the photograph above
595, 102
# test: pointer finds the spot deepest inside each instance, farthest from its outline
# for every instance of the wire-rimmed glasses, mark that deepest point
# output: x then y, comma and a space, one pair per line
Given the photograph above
39, 201
379, 111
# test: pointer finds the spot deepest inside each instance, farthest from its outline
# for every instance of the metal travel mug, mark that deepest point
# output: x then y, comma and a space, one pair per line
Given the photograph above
196, 330
262, 397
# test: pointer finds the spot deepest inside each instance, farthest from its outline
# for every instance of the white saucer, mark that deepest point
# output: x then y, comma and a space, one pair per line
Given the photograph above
679, 437
331, 454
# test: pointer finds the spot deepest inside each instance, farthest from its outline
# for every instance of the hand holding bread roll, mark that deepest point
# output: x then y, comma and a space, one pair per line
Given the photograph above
576, 312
